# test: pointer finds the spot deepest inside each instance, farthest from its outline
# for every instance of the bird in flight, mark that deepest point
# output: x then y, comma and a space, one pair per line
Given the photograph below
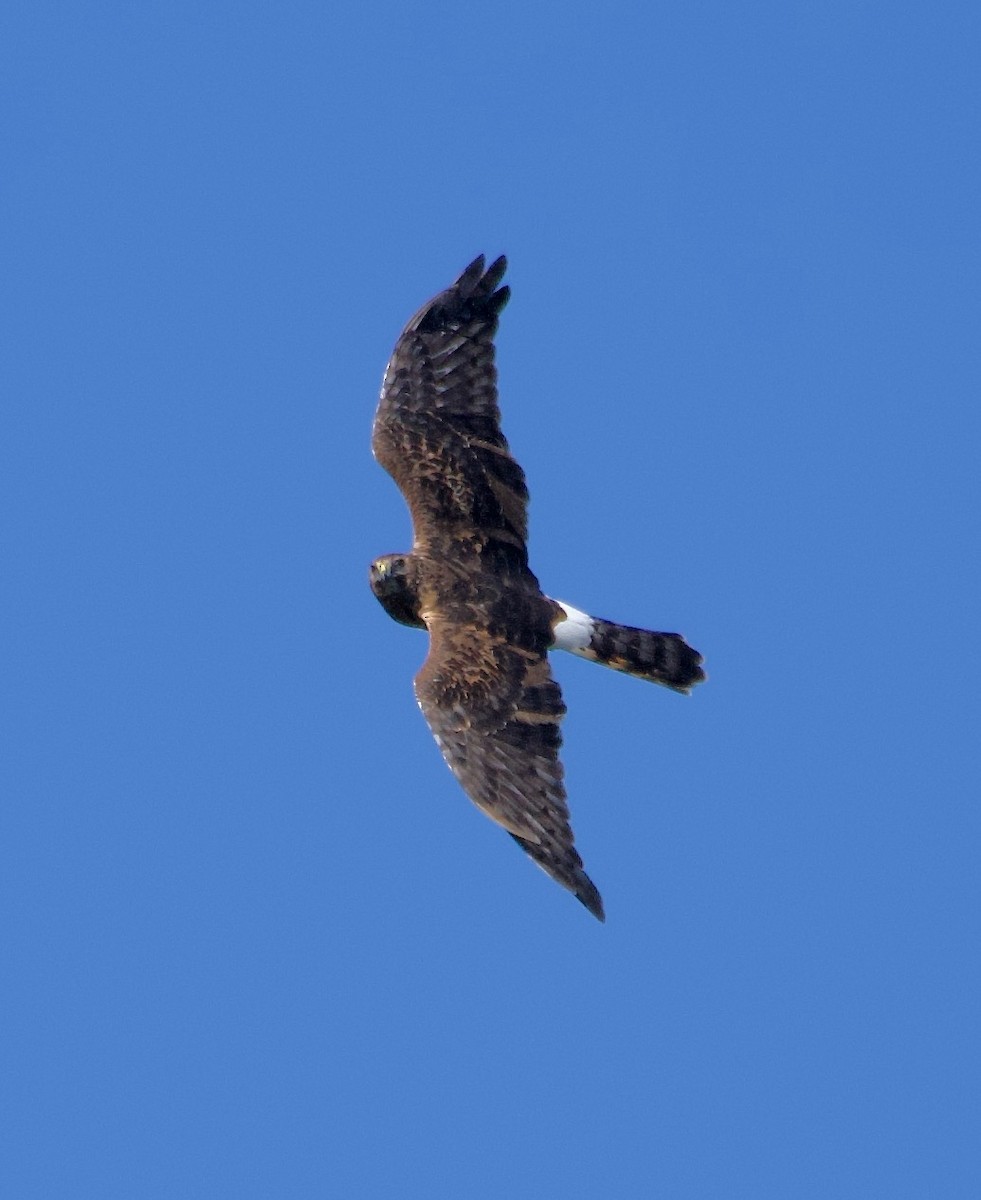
486, 688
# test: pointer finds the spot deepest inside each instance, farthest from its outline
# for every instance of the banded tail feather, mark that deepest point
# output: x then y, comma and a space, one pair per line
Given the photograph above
664, 658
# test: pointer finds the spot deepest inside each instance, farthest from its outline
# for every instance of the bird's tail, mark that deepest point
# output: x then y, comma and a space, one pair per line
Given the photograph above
664, 658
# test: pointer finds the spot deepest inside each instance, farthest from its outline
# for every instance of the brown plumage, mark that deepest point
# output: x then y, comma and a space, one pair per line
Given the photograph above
486, 688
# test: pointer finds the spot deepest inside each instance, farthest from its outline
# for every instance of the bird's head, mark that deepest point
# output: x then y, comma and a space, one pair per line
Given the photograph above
393, 582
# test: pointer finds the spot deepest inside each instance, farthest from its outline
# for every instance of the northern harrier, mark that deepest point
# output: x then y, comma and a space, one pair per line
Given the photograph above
486, 688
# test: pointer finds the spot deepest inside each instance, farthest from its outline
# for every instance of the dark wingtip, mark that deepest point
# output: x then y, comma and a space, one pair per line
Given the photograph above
471, 294
476, 281
588, 894
567, 871
500, 298
494, 273
470, 275
491, 278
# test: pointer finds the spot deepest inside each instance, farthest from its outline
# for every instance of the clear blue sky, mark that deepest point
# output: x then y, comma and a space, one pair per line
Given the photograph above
256, 943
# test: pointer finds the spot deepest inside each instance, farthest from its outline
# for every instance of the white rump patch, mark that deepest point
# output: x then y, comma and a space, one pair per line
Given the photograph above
575, 632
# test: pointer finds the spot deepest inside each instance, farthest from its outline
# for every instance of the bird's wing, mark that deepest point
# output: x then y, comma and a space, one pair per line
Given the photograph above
495, 712
437, 430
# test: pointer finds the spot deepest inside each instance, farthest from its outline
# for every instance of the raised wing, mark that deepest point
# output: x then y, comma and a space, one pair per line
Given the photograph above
437, 430
495, 712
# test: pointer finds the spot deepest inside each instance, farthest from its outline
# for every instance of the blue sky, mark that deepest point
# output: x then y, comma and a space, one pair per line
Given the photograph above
256, 941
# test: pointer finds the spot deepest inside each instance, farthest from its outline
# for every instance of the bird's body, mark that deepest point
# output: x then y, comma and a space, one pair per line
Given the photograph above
486, 687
